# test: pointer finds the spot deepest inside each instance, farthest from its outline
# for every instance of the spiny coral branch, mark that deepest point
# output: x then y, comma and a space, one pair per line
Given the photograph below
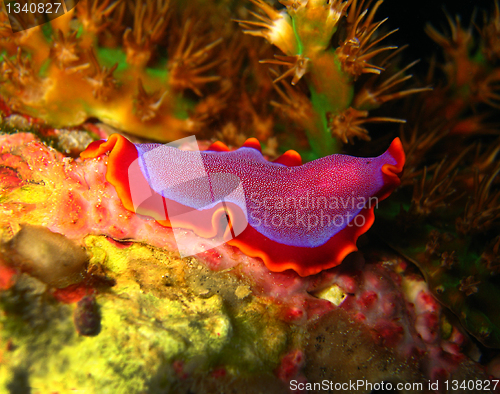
483, 208
457, 46
487, 160
102, 81
475, 124
491, 256
298, 66
349, 124
95, 15
147, 104
416, 145
431, 194
491, 34
435, 238
469, 285
296, 104
448, 259
307, 16
65, 49
19, 71
358, 48
459, 68
372, 97
187, 63
150, 22
486, 89
275, 27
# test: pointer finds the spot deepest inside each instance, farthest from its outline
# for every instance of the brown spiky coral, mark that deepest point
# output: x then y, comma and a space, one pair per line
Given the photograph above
20, 71
487, 88
96, 16
85, 55
339, 110
65, 49
359, 46
483, 207
172, 50
351, 123
147, 104
447, 213
490, 33
472, 78
188, 62
150, 21
376, 91
433, 186
101, 80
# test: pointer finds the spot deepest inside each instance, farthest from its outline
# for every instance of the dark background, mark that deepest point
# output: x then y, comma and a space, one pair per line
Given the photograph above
411, 16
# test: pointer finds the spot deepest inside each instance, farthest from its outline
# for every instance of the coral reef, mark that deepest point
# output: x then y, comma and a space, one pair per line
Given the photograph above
193, 314
124, 79
304, 32
95, 297
117, 84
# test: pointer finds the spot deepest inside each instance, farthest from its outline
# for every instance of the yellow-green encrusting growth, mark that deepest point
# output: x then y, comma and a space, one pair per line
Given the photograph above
164, 320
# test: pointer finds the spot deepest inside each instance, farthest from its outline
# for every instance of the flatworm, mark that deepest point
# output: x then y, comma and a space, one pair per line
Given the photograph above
302, 217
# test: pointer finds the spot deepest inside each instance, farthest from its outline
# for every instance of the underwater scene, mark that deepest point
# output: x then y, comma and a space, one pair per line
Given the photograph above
249, 196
